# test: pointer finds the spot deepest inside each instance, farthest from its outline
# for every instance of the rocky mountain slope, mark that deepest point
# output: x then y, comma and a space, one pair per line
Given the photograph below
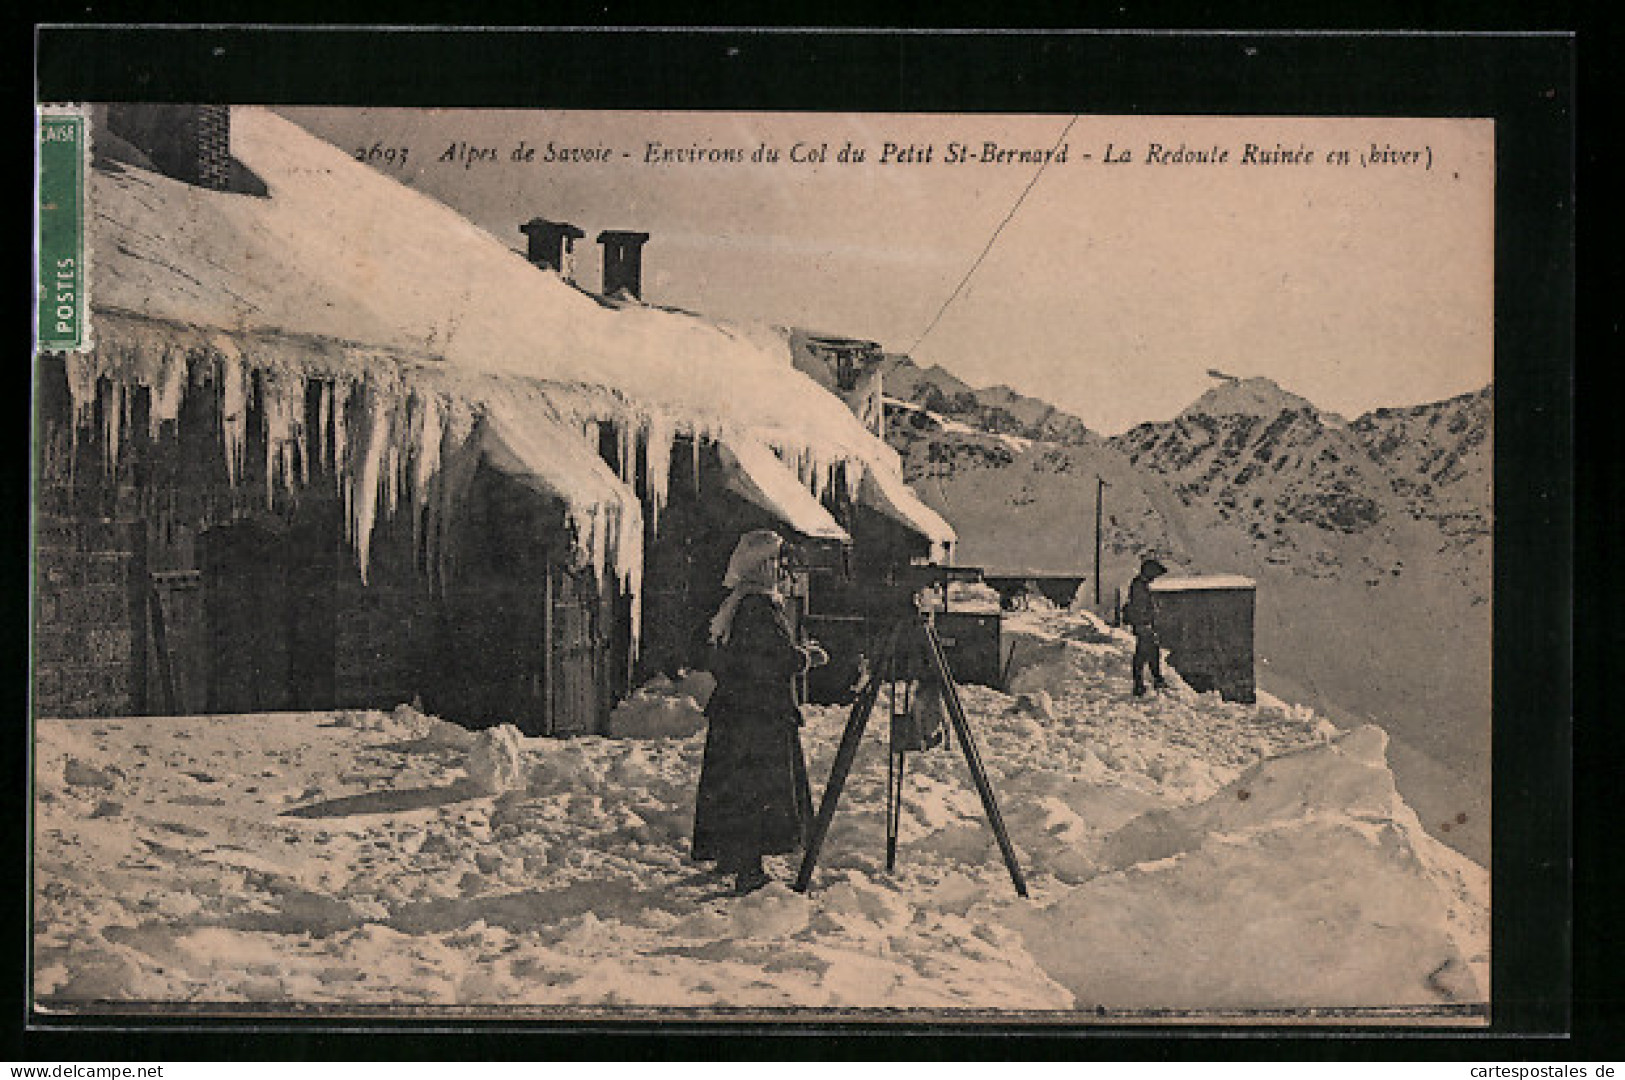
1324, 496
1438, 458
1370, 541
997, 409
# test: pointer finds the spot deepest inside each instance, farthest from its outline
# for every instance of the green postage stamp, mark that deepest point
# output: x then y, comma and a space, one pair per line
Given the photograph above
60, 242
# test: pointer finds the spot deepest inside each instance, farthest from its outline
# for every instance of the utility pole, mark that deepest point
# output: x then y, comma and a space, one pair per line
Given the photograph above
1100, 488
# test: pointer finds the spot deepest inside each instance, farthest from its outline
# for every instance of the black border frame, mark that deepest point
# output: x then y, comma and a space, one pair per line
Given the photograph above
1525, 82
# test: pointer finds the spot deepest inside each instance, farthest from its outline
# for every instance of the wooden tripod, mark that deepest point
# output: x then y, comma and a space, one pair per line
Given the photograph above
902, 634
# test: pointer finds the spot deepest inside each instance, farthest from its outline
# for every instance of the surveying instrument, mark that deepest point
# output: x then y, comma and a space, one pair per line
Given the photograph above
910, 651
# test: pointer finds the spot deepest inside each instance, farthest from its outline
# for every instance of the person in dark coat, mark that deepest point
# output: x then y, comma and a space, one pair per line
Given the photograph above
1140, 613
754, 798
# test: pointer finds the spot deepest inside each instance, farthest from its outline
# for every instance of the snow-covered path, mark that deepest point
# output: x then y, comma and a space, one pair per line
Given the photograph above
1181, 853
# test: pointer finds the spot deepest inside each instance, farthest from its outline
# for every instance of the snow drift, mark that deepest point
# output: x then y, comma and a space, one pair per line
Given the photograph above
1182, 853
1203, 915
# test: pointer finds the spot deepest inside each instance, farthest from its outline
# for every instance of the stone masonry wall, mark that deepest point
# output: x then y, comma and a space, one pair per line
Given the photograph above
89, 629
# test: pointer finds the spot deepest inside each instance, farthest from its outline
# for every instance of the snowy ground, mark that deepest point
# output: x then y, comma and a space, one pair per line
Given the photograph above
1182, 854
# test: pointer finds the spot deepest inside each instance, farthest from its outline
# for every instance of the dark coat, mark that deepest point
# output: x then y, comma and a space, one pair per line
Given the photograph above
1140, 612
754, 798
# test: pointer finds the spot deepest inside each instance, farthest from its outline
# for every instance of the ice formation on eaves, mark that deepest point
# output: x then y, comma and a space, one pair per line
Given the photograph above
419, 331
402, 438
341, 254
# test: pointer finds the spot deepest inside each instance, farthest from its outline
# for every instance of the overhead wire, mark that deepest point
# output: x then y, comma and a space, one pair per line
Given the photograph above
994, 238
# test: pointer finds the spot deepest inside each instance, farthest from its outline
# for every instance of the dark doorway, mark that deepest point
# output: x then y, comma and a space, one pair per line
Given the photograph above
270, 616
245, 590
524, 637
315, 561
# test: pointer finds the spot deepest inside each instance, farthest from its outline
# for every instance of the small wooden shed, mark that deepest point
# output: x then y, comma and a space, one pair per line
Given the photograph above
1206, 624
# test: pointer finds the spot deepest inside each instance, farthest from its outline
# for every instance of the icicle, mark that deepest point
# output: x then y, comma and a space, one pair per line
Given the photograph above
342, 403
282, 416
304, 447
629, 560
366, 475
268, 424
626, 432
589, 525
427, 432
113, 409
657, 445
168, 391
233, 414
126, 409
324, 420
820, 474
82, 371
303, 436
459, 457
393, 464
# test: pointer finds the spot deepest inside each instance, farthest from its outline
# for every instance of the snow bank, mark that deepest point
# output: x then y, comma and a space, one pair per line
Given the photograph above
662, 709
495, 760
437, 732
1053, 665
963, 596
866, 908
1180, 851
1271, 922
771, 912
1244, 899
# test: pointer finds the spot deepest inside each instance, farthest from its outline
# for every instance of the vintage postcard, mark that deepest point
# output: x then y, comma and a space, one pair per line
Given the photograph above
568, 565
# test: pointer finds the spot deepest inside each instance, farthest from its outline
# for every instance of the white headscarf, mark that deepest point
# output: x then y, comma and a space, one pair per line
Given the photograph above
753, 568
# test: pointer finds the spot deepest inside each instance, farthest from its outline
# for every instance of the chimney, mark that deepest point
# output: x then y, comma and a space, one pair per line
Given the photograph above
552, 245
212, 144
623, 262
187, 142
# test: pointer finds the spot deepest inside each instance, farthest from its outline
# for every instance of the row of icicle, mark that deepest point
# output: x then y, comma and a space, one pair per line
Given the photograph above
389, 444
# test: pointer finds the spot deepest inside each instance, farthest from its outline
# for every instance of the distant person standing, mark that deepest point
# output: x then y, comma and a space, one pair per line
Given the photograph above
1140, 613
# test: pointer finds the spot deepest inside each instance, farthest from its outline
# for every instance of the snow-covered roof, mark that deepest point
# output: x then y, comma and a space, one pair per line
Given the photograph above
341, 270
552, 460
341, 251
886, 492
1197, 582
756, 474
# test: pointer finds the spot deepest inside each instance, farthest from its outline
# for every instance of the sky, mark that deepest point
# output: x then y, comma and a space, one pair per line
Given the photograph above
1108, 281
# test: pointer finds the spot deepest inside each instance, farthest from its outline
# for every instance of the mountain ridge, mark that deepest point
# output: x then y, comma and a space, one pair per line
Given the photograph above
1251, 396
1369, 540
997, 409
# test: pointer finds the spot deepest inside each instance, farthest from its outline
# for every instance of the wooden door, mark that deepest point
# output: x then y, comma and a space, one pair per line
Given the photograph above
576, 665
178, 643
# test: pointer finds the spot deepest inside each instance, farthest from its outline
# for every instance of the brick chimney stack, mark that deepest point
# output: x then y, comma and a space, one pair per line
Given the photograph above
552, 245
623, 262
213, 146
187, 142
